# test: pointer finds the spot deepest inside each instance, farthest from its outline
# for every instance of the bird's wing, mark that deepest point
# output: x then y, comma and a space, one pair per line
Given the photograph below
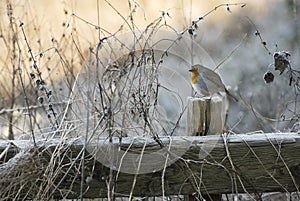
211, 78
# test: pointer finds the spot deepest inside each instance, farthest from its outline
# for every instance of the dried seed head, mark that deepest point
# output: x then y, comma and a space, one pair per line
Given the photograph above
228, 9
268, 77
190, 30
42, 82
281, 61
49, 93
38, 83
32, 75
40, 99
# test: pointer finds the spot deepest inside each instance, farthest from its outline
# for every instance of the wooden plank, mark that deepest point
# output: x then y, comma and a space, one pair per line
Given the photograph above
234, 163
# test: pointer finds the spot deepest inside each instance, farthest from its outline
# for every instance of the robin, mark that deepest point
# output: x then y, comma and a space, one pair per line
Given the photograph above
206, 82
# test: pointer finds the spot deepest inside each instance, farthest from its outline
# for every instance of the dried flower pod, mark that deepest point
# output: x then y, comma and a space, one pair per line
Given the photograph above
42, 82
268, 77
281, 61
32, 75
228, 9
40, 99
38, 83
190, 30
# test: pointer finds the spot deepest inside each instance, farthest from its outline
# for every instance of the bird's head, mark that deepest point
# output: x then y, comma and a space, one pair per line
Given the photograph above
194, 70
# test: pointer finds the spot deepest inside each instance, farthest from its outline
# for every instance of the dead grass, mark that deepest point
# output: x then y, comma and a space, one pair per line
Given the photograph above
75, 75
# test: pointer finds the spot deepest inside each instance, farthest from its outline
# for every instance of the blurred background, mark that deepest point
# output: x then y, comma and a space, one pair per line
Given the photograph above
60, 35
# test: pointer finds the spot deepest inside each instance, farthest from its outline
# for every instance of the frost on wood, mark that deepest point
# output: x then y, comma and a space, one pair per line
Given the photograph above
237, 163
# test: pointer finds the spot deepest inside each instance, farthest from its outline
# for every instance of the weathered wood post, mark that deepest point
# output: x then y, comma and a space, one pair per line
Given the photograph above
205, 117
198, 116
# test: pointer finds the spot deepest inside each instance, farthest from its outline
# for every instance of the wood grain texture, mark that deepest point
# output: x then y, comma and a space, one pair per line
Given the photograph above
204, 115
235, 163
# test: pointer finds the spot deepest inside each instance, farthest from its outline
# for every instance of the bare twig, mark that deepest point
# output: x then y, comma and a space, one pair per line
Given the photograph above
257, 33
26, 101
231, 53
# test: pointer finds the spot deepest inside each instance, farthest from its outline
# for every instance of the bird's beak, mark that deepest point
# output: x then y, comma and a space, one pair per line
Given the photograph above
191, 70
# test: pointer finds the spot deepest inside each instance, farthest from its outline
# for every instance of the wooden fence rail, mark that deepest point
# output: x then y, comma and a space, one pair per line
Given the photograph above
241, 163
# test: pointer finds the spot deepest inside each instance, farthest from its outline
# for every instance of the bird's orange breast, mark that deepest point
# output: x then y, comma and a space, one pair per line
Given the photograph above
194, 77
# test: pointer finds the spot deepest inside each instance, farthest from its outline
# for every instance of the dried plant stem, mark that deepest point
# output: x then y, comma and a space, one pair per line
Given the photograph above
232, 166
164, 170
26, 101
231, 53
66, 174
286, 166
39, 74
263, 166
137, 171
195, 22
13, 58
257, 33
